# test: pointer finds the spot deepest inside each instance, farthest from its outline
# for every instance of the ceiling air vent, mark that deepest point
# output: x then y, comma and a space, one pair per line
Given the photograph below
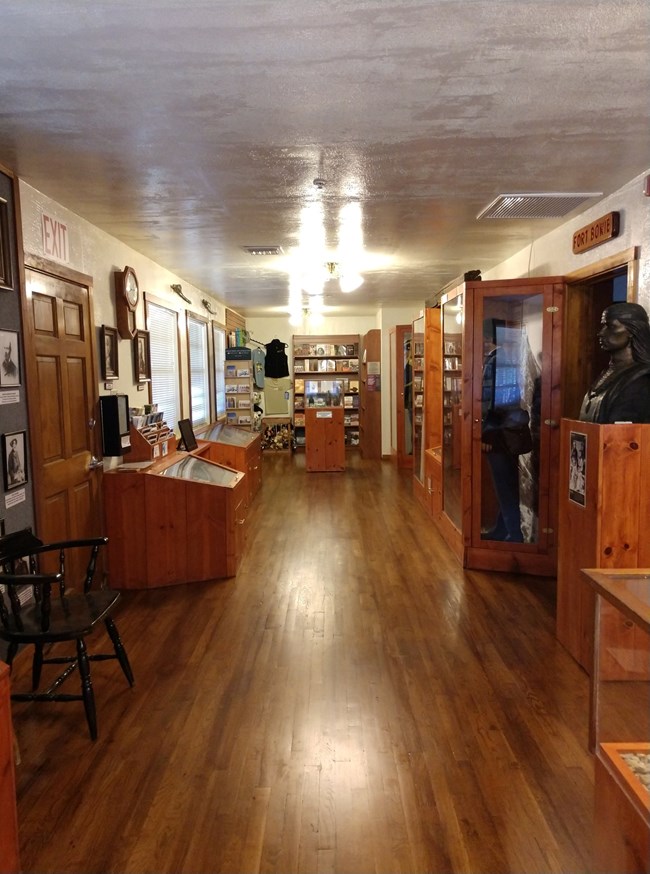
263, 250
524, 206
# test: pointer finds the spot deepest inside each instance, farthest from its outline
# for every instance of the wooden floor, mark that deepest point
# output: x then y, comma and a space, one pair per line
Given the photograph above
351, 702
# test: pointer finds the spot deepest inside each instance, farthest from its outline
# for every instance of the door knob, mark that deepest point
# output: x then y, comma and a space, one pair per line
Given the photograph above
95, 463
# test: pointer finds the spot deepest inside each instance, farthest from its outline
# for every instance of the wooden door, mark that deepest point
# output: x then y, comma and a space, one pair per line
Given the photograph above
62, 379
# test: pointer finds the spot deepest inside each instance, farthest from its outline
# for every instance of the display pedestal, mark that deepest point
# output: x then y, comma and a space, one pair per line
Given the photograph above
604, 519
325, 439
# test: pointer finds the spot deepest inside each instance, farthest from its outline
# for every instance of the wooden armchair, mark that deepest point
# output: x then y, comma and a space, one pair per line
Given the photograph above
32, 613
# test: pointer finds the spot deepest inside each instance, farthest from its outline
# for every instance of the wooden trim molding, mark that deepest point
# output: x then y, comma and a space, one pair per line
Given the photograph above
627, 258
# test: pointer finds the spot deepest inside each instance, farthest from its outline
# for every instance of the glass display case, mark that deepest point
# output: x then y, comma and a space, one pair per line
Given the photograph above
199, 470
228, 434
417, 399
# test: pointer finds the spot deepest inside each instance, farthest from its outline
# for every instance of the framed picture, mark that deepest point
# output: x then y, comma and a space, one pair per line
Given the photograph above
6, 277
110, 362
578, 468
10, 364
142, 355
14, 461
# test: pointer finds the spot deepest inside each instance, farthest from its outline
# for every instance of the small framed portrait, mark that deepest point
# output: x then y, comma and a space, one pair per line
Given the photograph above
110, 361
142, 355
578, 468
14, 460
10, 359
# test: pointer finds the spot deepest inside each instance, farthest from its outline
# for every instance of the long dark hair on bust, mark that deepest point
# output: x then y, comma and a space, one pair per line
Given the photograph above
635, 319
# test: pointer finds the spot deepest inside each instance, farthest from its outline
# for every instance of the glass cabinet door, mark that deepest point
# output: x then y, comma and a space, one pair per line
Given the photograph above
508, 344
452, 385
417, 398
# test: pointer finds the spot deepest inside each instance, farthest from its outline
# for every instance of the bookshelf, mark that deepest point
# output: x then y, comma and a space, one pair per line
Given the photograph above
239, 391
326, 374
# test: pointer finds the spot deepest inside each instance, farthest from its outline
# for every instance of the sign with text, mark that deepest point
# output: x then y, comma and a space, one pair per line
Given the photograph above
55, 238
600, 231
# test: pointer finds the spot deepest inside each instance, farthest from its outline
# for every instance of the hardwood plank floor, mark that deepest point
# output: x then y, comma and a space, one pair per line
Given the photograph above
352, 702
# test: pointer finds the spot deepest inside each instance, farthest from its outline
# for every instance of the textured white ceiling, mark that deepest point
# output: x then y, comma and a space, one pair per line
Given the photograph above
191, 129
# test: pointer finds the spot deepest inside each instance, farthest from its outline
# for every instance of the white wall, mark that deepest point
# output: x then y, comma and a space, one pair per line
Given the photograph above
551, 255
97, 254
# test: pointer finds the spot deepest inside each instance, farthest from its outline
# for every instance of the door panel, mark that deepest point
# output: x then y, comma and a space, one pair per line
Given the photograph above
63, 398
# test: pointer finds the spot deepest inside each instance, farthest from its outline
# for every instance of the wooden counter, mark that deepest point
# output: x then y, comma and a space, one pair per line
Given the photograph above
163, 530
324, 439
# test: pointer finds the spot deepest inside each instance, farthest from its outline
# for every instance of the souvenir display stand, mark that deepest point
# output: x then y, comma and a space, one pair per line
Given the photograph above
178, 520
237, 448
9, 859
325, 439
604, 520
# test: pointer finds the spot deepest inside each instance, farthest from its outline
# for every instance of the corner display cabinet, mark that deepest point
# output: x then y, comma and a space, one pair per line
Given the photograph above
492, 363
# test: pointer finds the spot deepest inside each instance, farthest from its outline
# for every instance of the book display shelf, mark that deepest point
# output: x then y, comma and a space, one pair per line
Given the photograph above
326, 374
151, 437
239, 388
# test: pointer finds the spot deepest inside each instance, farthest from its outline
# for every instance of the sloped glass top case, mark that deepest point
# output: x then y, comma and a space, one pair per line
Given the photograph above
221, 433
198, 470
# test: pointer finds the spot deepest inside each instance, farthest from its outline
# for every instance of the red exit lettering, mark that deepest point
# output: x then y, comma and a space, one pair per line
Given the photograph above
55, 238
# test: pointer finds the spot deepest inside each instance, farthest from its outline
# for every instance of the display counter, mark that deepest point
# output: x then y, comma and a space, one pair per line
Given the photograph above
619, 719
179, 520
236, 448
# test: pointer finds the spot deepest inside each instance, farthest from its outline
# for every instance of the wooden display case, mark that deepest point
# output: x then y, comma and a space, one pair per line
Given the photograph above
236, 448
326, 374
621, 813
168, 525
370, 390
325, 439
530, 312
401, 362
9, 857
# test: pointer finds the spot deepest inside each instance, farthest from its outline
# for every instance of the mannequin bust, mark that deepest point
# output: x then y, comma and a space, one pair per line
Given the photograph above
622, 391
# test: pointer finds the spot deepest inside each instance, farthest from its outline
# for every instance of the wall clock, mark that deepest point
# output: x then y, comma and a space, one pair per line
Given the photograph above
127, 297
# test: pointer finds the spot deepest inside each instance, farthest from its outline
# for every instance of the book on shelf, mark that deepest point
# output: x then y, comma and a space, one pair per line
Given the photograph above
299, 419
243, 388
231, 371
299, 386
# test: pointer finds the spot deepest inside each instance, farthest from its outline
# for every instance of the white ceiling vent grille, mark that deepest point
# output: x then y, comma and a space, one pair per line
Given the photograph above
263, 250
524, 206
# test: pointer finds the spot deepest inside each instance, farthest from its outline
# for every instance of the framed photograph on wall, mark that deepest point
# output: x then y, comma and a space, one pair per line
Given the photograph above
6, 277
14, 460
142, 354
9, 359
110, 361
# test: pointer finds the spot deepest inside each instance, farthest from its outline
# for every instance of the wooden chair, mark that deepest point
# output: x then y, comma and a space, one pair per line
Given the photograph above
30, 613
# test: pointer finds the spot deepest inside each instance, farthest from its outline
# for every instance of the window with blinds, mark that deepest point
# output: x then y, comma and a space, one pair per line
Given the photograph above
197, 342
163, 340
219, 341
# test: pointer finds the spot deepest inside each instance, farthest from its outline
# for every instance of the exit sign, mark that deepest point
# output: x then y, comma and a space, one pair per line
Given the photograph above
55, 238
